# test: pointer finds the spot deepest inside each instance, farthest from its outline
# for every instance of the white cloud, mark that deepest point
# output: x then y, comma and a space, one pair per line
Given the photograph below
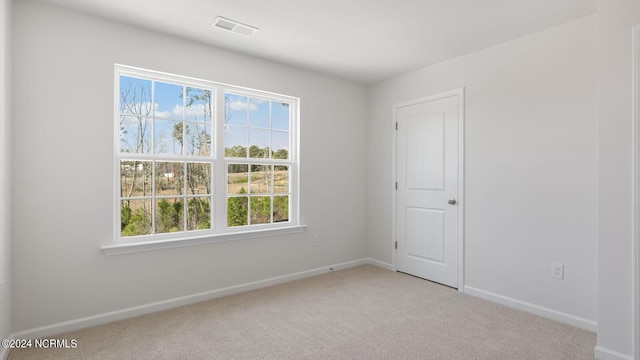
176, 112
238, 105
194, 112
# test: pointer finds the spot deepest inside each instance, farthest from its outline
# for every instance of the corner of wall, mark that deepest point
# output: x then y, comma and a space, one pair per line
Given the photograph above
5, 127
617, 304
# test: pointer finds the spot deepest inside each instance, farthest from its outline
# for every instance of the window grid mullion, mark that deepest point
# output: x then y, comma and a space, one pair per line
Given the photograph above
184, 123
152, 150
220, 186
153, 162
250, 181
185, 192
168, 158
153, 198
259, 161
271, 192
270, 130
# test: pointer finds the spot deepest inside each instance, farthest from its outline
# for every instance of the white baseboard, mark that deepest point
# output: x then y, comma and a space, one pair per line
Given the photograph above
379, 263
602, 353
104, 318
4, 353
534, 309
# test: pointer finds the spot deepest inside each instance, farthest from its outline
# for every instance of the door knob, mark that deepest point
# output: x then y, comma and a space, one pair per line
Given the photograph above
452, 201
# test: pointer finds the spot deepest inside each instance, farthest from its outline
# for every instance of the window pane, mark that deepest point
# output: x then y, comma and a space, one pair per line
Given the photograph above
199, 178
235, 109
169, 178
259, 113
280, 144
169, 215
235, 142
199, 139
260, 209
259, 143
135, 134
198, 106
168, 137
199, 214
261, 179
168, 99
280, 208
237, 178
281, 179
135, 217
135, 178
237, 211
135, 96
280, 116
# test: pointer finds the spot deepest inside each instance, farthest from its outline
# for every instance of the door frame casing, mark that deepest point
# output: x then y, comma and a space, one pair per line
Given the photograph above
635, 209
394, 176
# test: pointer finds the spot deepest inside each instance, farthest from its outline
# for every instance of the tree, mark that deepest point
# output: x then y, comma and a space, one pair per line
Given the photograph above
199, 217
280, 208
199, 97
180, 130
125, 216
258, 152
237, 206
135, 102
260, 209
135, 176
202, 143
169, 216
138, 224
280, 154
236, 151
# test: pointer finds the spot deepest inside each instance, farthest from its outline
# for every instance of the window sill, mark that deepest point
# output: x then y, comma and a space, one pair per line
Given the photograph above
135, 247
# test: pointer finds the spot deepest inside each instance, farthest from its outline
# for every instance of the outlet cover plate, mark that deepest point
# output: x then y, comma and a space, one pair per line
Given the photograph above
557, 271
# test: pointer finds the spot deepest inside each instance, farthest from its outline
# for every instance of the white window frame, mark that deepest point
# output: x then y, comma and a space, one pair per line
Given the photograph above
219, 230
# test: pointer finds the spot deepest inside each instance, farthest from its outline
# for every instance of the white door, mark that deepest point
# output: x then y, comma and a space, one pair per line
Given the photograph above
427, 174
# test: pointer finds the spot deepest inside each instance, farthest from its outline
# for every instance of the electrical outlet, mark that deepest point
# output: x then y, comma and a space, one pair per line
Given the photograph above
316, 240
557, 271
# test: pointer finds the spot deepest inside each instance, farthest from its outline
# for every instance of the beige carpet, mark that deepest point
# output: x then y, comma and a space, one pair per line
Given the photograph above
359, 313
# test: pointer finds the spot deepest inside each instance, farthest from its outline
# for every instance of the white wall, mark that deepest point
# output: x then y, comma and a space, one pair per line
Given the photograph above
616, 18
63, 172
5, 233
531, 165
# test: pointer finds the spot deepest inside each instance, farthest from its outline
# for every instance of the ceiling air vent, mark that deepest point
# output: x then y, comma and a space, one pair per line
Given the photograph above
234, 26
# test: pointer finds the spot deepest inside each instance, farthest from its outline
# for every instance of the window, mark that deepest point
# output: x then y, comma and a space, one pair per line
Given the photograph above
257, 152
196, 158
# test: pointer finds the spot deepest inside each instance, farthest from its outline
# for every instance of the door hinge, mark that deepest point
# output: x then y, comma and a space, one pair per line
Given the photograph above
396, 185
396, 126
396, 245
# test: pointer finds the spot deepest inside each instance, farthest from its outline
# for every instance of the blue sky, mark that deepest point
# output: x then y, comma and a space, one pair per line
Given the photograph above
250, 120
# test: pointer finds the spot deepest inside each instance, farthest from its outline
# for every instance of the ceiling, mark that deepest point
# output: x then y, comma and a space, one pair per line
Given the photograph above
361, 40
